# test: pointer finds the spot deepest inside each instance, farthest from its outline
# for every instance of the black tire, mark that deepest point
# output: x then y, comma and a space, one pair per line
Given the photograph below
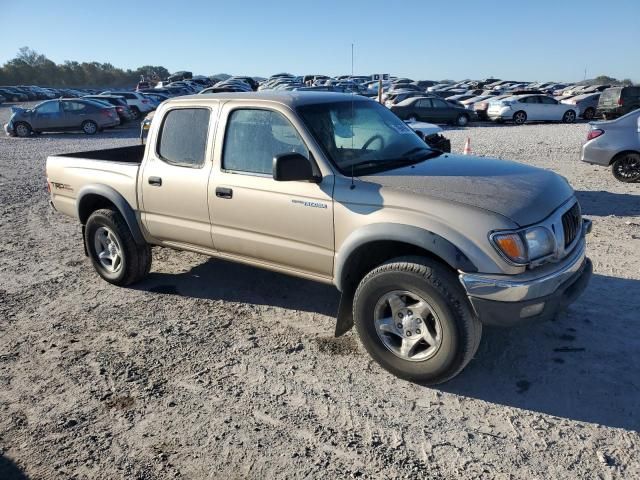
460, 329
22, 129
89, 127
520, 117
569, 116
135, 259
135, 113
462, 120
589, 113
626, 168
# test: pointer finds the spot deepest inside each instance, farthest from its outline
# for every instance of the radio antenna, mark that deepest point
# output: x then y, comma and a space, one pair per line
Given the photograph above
352, 186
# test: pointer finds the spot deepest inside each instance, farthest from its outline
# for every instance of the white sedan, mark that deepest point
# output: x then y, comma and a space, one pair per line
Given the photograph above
535, 108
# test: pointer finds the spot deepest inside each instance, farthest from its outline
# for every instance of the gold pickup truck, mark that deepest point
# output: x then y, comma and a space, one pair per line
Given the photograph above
425, 247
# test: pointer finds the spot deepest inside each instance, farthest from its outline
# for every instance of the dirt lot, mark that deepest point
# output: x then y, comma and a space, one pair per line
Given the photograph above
213, 370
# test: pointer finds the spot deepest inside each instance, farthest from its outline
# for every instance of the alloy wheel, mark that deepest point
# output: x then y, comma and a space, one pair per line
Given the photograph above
108, 249
407, 326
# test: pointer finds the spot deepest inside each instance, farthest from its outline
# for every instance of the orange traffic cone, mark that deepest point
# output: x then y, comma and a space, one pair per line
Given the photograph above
467, 147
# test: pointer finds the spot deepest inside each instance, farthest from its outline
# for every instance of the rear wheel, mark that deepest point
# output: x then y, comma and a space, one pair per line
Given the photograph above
135, 113
627, 168
22, 129
462, 120
114, 253
569, 116
589, 113
90, 127
519, 118
414, 320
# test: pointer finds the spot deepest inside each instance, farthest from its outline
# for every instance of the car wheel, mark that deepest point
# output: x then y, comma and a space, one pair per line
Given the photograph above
89, 127
589, 113
520, 117
135, 113
114, 253
569, 116
462, 120
627, 168
414, 320
22, 129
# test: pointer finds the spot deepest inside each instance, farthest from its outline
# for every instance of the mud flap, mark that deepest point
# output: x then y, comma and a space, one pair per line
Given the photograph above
344, 321
84, 243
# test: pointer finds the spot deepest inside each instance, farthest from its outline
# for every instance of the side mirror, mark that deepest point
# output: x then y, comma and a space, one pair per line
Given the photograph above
292, 167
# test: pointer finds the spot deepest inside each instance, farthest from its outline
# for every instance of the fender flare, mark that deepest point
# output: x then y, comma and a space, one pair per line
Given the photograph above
127, 212
419, 237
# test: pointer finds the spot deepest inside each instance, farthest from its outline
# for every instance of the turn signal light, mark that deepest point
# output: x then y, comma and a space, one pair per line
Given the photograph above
512, 246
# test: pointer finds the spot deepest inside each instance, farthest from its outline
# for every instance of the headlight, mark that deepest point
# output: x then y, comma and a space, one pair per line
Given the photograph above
525, 246
540, 242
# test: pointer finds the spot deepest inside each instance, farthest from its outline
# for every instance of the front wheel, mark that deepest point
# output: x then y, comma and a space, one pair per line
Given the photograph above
414, 320
135, 113
114, 253
627, 168
22, 129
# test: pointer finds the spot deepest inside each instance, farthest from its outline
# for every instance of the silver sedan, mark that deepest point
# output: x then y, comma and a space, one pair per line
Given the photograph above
616, 143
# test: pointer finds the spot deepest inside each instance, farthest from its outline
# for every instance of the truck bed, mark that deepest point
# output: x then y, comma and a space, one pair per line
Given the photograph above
132, 154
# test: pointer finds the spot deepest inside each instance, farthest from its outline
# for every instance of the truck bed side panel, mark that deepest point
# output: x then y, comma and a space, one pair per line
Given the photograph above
67, 176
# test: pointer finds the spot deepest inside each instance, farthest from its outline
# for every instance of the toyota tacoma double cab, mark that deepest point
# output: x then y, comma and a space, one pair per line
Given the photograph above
425, 247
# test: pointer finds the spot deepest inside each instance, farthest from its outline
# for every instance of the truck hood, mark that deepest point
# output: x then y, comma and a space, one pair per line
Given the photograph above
522, 193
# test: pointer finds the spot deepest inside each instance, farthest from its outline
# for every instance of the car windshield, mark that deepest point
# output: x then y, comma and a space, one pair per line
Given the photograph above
363, 135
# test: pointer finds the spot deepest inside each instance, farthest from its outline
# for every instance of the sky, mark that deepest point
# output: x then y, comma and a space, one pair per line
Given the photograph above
428, 40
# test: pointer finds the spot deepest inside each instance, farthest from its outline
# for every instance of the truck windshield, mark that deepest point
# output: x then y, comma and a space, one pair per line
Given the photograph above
362, 134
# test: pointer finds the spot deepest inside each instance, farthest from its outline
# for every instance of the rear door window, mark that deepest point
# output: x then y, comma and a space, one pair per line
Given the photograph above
183, 137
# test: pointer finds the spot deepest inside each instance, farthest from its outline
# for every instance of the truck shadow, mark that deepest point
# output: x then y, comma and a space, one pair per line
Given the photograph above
583, 366
10, 471
601, 203
232, 282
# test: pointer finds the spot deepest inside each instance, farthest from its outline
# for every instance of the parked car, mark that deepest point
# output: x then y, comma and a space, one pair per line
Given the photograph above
396, 97
120, 104
136, 101
432, 109
524, 108
615, 143
617, 101
432, 135
13, 95
586, 104
59, 115
424, 247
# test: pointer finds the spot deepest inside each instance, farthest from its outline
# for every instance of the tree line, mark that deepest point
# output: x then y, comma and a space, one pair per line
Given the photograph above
32, 68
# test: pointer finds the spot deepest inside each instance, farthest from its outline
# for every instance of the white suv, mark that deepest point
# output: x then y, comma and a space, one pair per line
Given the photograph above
137, 102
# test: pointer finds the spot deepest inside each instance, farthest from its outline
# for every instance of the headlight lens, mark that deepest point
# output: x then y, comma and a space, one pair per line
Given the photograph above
540, 242
524, 246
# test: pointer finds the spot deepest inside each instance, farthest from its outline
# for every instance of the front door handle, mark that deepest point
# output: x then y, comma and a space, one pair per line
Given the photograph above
222, 192
156, 181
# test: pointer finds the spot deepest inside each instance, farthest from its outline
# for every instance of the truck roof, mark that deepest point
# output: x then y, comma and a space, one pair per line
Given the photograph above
290, 98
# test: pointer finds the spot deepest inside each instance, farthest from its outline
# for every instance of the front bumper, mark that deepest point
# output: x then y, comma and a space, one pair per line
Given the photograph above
500, 115
8, 129
514, 300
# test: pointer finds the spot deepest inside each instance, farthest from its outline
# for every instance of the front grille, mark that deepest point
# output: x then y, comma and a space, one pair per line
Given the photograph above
571, 224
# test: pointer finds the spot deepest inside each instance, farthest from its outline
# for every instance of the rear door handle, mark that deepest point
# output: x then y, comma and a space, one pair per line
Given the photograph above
156, 181
222, 192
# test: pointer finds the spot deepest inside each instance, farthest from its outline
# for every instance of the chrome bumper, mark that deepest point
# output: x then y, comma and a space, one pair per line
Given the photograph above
523, 287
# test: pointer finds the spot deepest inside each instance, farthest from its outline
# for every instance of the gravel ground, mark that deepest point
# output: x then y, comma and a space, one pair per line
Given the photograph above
214, 370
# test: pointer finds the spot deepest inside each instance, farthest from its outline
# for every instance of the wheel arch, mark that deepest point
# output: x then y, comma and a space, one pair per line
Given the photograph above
621, 154
94, 197
377, 243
